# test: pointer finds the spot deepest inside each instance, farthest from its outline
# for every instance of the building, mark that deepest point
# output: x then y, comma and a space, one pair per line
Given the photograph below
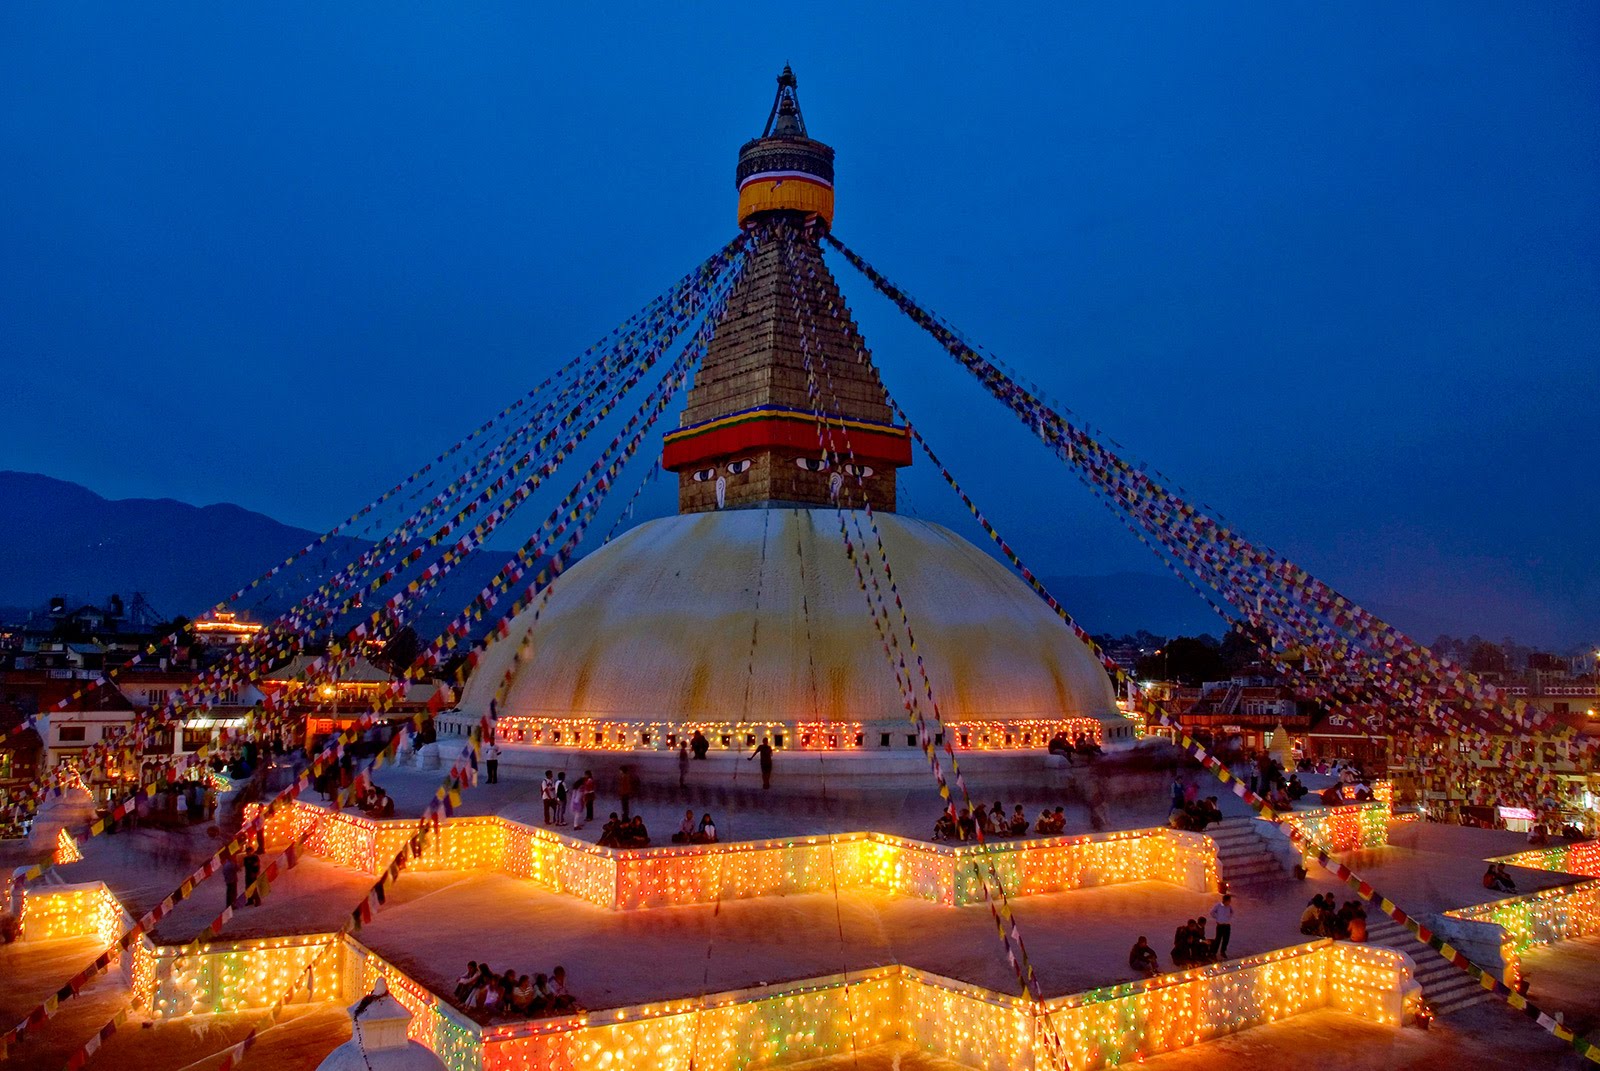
742, 616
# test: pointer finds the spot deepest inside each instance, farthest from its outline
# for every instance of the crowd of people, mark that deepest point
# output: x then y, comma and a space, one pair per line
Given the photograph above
1190, 945
1346, 923
501, 994
624, 832
996, 821
1081, 746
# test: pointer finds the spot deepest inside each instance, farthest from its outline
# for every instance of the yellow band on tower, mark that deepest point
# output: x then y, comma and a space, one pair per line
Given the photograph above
790, 193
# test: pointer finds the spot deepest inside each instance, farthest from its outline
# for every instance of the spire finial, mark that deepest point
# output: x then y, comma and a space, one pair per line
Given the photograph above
785, 120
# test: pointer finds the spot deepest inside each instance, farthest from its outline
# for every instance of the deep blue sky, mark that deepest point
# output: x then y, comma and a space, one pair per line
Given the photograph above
1332, 267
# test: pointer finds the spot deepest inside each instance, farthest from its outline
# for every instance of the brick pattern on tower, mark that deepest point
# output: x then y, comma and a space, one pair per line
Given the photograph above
756, 362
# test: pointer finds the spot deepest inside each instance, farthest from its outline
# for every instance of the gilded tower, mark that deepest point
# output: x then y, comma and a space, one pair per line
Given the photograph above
748, 436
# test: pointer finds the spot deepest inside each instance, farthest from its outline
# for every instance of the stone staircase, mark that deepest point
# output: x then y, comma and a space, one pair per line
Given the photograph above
1243, 857
1446, 987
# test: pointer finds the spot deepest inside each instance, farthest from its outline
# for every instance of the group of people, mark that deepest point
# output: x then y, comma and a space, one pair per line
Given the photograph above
625, 832
1081, 745
993, 822
1346, 923
482, 989
692, 832
377, 803
1189, 812
574, 804
1190, 945
1497, 879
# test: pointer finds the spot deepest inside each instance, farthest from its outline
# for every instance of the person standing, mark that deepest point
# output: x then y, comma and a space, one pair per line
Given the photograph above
491, 759
763, 751
230, 878
1222, 914
575, 808
561, 798
683, 765
627, 785
547, 794
699, 744
252, 874
589, 792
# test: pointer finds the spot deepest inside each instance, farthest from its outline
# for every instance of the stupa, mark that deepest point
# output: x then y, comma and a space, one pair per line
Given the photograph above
742, 617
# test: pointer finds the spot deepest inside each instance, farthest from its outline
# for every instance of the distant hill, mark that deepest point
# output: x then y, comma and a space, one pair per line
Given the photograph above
64, 539
67, 540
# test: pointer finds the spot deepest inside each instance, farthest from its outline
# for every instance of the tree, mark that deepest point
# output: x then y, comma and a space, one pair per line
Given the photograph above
1189, 660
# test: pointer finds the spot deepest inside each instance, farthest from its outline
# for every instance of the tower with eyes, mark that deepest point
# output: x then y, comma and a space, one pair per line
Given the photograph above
753, 416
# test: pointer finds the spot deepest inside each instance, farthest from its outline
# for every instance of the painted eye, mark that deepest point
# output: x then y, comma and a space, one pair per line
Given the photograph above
859, 470
705, 474
736, 467
812, 464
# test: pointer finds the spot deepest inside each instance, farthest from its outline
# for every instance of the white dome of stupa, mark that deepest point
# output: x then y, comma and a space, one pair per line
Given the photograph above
657, 626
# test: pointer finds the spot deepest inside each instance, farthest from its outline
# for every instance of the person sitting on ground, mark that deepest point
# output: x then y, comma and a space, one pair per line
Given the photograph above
1278, 799
966, 826
540, 1004
1058, 820
465, 983
1046, 816
1213, 810
944, 827
479, 995
980, 816
685, 833
522, 996
1297, 788
1358, 923
1086, 746
611, 832
1182, 945
493, 998
1059, 745
1505, 879
560, 999
1019, 822
707, 833
1329, 919
1537, 836
634, 834
385, 807
1311, 918
1341, 922
1142, 958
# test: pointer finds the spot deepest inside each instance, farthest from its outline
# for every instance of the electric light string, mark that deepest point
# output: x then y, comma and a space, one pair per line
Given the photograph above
461, 773
331, 753
1297, 832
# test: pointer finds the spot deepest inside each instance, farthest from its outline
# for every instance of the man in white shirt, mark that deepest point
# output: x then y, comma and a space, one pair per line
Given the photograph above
1222, 915
547, 793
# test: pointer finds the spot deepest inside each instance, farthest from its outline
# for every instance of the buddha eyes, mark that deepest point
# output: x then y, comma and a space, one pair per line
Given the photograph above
812, 464
859, 470
736, 467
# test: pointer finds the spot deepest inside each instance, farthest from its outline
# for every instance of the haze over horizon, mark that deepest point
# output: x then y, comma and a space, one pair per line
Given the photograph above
1332, 271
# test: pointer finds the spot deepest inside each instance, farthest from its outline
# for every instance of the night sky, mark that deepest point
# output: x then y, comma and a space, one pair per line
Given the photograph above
1331, 268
